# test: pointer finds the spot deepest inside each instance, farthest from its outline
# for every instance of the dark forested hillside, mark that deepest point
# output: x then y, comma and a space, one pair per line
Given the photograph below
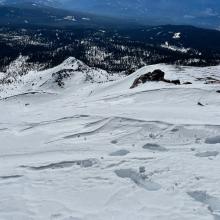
118, 49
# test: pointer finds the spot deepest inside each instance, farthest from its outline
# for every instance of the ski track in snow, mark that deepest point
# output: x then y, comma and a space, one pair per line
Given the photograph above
103, 151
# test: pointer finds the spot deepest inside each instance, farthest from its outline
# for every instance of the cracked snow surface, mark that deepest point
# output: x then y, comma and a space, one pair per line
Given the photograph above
94, 149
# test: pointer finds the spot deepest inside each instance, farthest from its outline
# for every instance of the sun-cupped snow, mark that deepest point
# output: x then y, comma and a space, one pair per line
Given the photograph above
79, 143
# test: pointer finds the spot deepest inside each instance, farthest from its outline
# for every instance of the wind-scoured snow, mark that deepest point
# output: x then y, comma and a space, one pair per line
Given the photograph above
78, 144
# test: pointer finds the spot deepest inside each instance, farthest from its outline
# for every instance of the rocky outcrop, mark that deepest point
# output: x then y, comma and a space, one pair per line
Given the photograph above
61, 75
155, 76
209, 80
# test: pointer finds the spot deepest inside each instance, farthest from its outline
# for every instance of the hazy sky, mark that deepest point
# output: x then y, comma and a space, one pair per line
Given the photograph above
200, 12
196, 12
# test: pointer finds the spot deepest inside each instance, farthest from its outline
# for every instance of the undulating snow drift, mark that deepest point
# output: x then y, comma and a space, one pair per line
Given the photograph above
79, 144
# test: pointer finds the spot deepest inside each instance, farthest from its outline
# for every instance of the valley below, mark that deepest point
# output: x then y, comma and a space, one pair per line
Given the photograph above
114, 48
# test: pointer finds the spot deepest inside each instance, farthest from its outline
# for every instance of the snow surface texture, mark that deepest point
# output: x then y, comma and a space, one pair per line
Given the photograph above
78, 144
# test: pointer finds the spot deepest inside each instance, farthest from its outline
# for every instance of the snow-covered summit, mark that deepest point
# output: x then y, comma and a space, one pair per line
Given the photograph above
72, 73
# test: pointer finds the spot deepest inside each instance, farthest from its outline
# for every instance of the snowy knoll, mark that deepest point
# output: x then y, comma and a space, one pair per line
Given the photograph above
78, 143
72, 72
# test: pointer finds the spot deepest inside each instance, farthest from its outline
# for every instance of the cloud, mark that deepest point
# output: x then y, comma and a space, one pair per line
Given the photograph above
189, 16
209, 12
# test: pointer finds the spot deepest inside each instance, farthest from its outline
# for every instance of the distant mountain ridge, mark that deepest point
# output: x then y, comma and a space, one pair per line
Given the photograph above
51, 3
203, 13
45, 13
197, 12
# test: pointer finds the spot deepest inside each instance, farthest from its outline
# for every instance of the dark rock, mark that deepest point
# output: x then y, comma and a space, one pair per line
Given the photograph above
187, 83
176, 82
60, 76
155, 76
200, 104
218, 91
211, 80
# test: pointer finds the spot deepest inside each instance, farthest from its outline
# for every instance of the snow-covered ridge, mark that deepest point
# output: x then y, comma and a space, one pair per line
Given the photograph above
72, 72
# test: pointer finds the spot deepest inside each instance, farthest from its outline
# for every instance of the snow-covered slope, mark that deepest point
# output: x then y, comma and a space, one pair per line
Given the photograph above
92, 148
